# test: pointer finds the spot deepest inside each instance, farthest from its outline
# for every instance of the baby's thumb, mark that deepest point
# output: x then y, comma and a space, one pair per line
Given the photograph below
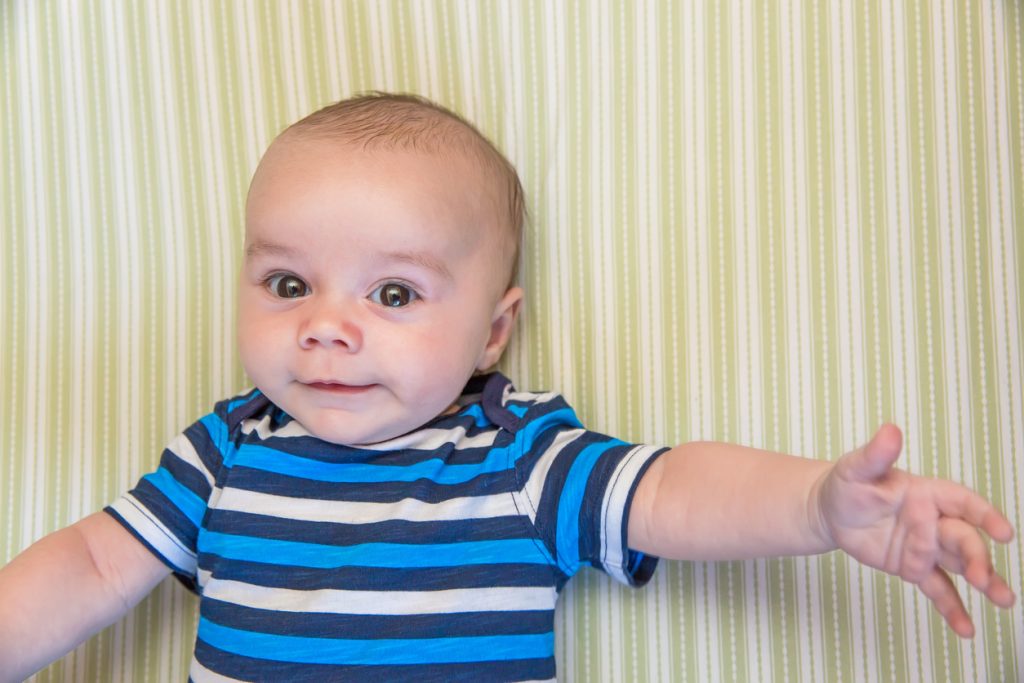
876, 457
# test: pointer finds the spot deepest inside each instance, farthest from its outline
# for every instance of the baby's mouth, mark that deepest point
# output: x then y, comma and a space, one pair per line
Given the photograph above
339, 388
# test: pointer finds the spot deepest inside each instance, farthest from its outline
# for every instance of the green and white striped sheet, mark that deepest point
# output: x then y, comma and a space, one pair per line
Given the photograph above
773, 222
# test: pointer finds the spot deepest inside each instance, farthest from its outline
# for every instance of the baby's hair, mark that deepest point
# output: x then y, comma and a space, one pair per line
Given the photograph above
410, 122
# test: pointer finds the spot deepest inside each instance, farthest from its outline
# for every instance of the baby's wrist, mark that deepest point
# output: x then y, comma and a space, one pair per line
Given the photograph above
817, 525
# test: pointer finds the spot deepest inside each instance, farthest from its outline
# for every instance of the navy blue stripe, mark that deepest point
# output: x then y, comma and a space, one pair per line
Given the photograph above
378, 627
571, 502
588, 520
234, 547
187, 579
641, 566
206, 448
243, 403
386, 492
180, 496
392, 531
436, 470
252, 669
441, 650
532, 412
551, 493
512, 574
310, 448
186, 474
176, 521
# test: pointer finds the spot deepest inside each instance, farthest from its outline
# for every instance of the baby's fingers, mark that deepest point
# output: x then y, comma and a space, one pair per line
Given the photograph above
959, 502
939, 588
963, 551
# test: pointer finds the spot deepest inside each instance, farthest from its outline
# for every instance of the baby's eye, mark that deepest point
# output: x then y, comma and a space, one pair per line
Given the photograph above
286, 286
393, 295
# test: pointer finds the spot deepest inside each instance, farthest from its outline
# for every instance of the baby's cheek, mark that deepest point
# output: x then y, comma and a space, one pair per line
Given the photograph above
256, 345
441, 367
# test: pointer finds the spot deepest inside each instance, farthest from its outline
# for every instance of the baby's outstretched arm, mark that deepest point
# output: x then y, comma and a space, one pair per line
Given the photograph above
67, 586
712, 501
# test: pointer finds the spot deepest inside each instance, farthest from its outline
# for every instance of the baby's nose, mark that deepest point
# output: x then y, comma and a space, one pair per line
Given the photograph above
331, 327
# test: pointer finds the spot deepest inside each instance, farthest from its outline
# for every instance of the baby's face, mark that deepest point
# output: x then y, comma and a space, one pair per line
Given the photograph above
372, 287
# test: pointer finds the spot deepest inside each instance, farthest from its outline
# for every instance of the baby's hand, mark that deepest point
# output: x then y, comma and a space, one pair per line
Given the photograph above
914, 527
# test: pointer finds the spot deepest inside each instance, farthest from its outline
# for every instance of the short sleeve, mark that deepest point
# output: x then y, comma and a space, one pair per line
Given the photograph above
166, 508
579, 486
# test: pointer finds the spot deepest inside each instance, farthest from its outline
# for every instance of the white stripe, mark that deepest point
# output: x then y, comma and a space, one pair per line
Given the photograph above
652, 230
426, 439
931, 428
844, 154
996, 207
334, 28
382, 68
171, 205
614, 510
979, 352
183, 448
1014, 396
219, 247
467, 24
602, 190
15, 538
254, 124
59, 200
391, 603
530, 496
200, 674
80, 419
36, 273
947, 156
427, 72
349, 512
155, 533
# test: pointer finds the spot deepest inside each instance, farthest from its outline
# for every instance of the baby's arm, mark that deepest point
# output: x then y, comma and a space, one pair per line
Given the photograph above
711, 501
67, 586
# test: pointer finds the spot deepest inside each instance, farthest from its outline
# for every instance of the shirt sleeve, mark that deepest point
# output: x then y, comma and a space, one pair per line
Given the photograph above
578, 486
165, 509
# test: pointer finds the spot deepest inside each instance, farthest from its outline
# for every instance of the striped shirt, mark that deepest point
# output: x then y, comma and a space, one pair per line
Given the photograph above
437, 555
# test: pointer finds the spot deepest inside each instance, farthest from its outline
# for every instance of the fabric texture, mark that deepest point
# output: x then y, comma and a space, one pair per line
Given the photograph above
437, 555
776, 223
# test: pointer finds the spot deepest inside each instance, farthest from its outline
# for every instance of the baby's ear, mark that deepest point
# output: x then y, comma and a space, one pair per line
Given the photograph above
502, 324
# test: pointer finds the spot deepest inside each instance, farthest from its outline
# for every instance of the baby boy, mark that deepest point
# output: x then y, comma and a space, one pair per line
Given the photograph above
382, 504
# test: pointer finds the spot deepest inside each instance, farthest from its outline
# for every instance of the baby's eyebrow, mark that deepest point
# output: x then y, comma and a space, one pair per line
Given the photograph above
263, 248
419, 258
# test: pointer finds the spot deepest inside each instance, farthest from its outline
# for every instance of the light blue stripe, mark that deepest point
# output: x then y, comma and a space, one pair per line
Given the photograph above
435, 470
518, 411
191, 505
568, 533
391, 555
217, 429
376, 652
241, 401
476, 412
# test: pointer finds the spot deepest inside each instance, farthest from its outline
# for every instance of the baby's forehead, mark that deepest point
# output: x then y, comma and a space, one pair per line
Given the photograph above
474, 182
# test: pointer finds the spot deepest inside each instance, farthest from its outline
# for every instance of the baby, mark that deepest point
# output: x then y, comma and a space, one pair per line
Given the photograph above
382, 504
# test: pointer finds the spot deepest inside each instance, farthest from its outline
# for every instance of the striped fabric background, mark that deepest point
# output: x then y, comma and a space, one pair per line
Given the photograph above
777, 223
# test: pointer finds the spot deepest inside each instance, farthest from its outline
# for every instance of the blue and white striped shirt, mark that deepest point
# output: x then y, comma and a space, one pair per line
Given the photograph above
437, 555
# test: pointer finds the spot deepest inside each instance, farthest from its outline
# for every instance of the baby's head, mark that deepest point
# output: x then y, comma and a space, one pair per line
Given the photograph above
382, 235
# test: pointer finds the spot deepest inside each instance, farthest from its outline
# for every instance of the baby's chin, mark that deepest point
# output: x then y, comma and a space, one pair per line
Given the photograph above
345, 433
